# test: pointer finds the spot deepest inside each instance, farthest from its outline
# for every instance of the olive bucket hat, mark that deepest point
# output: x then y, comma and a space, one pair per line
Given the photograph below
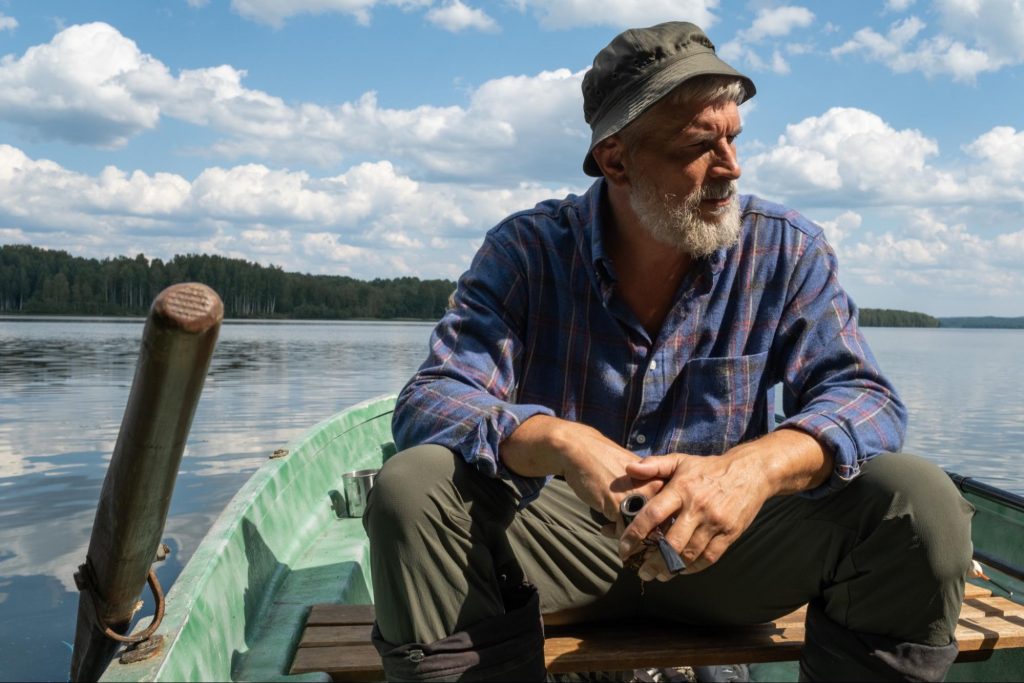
638, 68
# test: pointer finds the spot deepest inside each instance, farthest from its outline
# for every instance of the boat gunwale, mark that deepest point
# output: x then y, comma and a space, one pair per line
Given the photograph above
201, 566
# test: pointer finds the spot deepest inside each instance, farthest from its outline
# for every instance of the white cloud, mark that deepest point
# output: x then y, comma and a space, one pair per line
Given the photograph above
994, 26
841, 227
7, 23
898, 5
455, 16
73, 87
1001, 152
276, 12
993, 31
92, 85
374, 218
620, 14
901, 214
851, 155
769, 24
777, 22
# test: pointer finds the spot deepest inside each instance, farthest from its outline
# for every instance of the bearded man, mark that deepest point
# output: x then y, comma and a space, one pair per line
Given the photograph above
628, 341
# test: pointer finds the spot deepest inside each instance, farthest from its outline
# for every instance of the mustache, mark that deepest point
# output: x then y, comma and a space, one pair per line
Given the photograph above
718, 190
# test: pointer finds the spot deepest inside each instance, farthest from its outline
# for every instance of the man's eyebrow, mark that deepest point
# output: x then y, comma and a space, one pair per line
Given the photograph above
691, 136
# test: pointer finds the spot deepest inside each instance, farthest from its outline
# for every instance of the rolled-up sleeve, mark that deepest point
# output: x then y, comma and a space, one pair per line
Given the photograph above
463, 395
833, 388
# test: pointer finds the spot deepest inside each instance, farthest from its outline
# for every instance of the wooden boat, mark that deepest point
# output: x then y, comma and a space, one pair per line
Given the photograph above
241, 609
284, 543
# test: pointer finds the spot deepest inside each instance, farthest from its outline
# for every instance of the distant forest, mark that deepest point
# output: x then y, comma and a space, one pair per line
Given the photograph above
987, 321
885, 317
45, 281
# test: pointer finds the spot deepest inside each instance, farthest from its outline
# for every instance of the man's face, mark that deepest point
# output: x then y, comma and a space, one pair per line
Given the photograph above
683, 177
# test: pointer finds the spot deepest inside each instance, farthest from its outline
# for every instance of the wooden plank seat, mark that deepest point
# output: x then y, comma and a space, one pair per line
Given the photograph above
336, 640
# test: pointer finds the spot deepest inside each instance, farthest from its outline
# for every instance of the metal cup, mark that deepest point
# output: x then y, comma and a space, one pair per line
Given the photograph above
356, 486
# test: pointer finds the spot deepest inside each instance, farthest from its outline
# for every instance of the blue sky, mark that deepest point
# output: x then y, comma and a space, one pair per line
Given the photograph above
378, 138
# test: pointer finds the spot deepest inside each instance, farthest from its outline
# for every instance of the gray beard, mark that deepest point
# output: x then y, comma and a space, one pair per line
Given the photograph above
679, 223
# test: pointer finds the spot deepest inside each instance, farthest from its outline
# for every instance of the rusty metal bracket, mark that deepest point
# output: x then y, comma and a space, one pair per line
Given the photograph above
142, 651
84, 582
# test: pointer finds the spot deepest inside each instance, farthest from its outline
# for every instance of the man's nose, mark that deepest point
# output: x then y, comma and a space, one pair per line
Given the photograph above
725, 162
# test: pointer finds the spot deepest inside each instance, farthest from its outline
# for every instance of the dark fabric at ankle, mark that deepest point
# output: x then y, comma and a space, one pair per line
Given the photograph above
507, 647
834, 653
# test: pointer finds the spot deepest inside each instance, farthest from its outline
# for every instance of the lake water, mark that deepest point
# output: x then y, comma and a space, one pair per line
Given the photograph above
64, 383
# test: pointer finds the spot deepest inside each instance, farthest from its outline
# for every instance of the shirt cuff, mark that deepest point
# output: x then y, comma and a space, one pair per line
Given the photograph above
485, 454
833, 437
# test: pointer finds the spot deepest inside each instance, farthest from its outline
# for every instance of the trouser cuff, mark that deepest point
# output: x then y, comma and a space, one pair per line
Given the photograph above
834, 653
506, 647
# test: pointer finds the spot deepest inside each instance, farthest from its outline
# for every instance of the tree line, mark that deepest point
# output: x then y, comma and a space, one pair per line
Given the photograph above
887, 317
46, 281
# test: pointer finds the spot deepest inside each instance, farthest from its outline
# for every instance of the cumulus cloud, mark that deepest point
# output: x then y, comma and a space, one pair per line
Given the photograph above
276, 12
366, 221
994, 26
74, 87
842, 226
92, 85
898, 5
769, 24
455, 16
7, 23
897, 211
977, 36
561, 14
1001, 152
851, 155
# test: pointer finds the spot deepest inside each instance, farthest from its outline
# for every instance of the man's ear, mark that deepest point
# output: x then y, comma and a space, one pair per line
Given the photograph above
610, 155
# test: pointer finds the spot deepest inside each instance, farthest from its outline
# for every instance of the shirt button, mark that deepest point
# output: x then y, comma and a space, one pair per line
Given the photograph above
654, 365
641, 439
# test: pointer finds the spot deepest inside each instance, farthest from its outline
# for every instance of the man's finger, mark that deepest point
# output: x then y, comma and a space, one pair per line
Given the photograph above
652, 568
691, 542
652, 467
658, 509
712, 553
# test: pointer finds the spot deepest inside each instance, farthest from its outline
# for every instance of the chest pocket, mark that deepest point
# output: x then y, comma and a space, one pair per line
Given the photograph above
721, 402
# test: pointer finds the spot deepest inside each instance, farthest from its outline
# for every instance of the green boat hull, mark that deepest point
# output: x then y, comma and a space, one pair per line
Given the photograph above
284, 542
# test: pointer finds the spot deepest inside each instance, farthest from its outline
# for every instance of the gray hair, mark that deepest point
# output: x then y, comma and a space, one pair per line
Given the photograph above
712, 90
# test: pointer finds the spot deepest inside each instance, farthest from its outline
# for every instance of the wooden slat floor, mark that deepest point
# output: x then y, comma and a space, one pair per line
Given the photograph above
337, 640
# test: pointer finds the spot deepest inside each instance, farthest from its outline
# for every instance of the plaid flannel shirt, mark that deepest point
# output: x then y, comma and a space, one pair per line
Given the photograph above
536, 328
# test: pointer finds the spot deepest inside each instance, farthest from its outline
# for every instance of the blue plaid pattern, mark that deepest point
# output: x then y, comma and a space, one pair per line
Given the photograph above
536, 328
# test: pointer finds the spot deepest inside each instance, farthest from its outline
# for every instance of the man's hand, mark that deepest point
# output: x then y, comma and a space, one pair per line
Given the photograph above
715, 498
593, 465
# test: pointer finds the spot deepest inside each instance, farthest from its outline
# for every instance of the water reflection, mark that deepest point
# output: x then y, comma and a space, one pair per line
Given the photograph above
965, 390
63, 388
64, 384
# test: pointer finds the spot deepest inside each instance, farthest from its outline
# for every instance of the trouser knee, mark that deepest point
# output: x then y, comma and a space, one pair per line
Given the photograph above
918, 497
405, 488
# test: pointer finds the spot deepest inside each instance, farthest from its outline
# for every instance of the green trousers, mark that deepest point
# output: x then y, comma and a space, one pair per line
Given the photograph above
881, 562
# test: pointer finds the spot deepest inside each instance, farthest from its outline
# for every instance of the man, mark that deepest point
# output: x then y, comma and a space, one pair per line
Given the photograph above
626, 342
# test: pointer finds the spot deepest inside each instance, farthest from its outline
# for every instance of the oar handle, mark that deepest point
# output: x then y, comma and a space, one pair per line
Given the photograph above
177, 345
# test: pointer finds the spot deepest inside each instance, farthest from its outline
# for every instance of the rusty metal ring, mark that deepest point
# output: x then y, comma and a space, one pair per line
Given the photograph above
158, 595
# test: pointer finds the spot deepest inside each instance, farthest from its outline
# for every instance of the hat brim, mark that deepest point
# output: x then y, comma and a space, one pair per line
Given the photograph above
625, 110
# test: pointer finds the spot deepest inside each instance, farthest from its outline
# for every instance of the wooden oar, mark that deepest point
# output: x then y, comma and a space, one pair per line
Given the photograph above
177, 344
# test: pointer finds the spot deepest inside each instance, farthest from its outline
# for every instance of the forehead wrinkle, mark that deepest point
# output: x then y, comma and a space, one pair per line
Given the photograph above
701, 128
